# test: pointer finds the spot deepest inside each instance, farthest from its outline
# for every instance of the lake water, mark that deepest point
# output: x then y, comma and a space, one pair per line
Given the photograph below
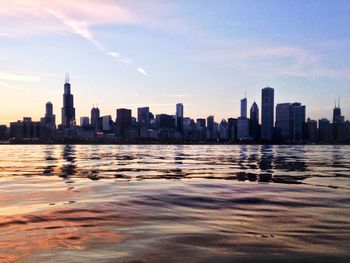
174, 203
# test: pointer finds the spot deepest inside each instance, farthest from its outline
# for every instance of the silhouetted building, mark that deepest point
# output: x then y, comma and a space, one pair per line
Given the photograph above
84, 121
143, 117
95, 115
165, 121
267, 116
312, 132
50, 118
223, 130
284, 122
298, 122
26, 130
106, 123
210, 127
232, 129
243, 129
254, 126
244, 108
325, 130
68, 110
179, 116
123, 120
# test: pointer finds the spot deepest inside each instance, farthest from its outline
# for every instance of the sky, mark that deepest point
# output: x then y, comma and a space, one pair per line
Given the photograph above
205, 54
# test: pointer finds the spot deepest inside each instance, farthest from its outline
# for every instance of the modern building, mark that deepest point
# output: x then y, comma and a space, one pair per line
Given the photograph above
50, 118
254, 126
312, 132
210, 127
123, 120
95, 115
165, 121
267, 113
325, 132
284, 122
68, 110
243, 129
179, 117
244, 108
84, 121
106, 123
143, 117
298, 122
223, 130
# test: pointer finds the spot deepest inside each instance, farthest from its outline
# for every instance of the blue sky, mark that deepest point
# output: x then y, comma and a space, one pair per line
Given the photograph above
206, 54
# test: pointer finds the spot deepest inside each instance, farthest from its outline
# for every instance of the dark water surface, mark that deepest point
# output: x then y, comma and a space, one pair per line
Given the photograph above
173, 203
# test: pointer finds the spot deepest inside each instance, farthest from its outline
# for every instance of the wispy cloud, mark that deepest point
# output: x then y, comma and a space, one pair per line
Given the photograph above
142, 71
18, 77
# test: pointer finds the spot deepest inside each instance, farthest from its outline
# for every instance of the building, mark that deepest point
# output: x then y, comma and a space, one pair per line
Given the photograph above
337, 117
223, 130
124, 120
165, 121
179, 117
244, 108
243, 129
284, 122
84, 121
298, 122
106, 123
25, 130
267, 113
95, 115
325, 133
143, 117
68, 110
312, 132
210, 127
50, 118
254, 127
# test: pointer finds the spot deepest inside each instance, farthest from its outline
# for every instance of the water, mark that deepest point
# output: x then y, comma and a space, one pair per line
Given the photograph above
166, 203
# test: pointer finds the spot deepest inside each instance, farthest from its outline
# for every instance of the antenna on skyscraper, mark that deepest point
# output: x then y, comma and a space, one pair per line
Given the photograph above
338, 102
67, 78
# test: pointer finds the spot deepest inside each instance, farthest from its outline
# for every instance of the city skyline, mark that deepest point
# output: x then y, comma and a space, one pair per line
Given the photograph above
176, 51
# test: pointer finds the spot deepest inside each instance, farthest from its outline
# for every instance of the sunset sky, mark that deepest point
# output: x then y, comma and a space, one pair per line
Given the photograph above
205, 54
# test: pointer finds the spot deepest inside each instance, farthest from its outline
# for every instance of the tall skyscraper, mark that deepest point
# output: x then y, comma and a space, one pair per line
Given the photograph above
123, 119
95, 115
284, 122
337, 117
143, 117
210, 125
49, 118
298, 122
267, 116
244, 108
254, 127
68, 110
179, 117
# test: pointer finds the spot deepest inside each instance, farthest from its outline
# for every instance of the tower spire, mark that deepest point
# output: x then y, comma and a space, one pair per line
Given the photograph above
338, 102
67, 78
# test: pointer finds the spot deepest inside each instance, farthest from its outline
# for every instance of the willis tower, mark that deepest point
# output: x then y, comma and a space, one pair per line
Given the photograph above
68, 110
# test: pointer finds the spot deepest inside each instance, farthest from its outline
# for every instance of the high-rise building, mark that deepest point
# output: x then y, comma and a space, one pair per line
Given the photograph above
210, 127
49, 118
123, 120
84, 121
143, 117
298, 122
312, 133
68, 110
106, 123
284, 122
95, 115
324, 130
165, 121
179, 116
337, 117
244, 108
243, 129
267, 116
254, 129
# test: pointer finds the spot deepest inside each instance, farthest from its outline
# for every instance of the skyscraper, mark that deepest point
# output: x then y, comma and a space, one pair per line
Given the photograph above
179, 117
337, 117
244, 108
143, 117
123, 119
49, 118
95, 115
298, 122
68, 110
210, 125
284, 122
254, 127
267, 116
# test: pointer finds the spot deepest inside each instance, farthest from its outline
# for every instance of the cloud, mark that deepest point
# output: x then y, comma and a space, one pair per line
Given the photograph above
142, 71
18, 77
113, 54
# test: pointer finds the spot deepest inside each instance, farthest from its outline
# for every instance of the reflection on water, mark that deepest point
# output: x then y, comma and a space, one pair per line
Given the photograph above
223, 203
266, 163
